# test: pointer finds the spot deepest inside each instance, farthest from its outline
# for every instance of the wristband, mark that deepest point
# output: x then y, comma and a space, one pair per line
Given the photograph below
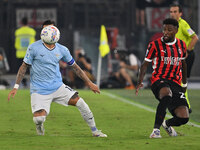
184, 85
16, 86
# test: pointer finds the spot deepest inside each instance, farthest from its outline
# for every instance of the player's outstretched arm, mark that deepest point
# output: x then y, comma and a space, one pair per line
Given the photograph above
142, 72
20, 76
80, 73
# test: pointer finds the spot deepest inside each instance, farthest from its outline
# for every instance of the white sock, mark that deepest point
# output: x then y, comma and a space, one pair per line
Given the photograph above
39, 120
86, 114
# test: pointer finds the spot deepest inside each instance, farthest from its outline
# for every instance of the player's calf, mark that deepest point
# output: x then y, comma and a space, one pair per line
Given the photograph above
39, 120
86, 113
169, 129
88, 117
177, 121
182, 121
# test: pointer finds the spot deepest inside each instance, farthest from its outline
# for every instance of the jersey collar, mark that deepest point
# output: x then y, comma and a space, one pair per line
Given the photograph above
169, 43
49, 48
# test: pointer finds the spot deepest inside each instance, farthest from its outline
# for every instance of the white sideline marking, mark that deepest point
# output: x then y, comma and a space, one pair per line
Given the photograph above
142, 106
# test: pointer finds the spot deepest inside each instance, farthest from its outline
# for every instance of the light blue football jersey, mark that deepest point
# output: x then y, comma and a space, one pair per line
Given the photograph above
45, 76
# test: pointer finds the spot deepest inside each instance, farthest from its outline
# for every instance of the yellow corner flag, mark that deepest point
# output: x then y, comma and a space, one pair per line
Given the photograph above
103, 47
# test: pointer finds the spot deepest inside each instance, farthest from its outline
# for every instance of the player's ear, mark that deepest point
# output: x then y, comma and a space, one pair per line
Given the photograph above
180, 13
176, 30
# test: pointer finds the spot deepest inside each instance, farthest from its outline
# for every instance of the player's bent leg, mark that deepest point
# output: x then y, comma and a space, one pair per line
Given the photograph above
182, 112
176, 121
86, 114
181, 117
89, 118
169, 129
39, 118
165, 96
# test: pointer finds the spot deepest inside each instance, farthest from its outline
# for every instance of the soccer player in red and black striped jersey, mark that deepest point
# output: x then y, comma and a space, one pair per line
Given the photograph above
167, 55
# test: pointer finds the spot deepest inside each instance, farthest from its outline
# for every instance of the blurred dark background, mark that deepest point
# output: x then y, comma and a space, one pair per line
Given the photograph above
130, 24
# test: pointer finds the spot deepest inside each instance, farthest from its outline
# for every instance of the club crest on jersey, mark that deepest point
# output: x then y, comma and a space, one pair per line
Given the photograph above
57, 55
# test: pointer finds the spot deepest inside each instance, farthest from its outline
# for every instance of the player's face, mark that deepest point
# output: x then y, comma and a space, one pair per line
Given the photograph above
174, 13
169, 32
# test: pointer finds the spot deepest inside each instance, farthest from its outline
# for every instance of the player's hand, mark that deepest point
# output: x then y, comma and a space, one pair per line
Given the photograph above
94, 87
12, 93
139, 85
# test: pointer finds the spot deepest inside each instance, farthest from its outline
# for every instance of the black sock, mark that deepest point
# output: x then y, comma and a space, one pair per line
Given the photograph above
176, 121
171, 122
161, 111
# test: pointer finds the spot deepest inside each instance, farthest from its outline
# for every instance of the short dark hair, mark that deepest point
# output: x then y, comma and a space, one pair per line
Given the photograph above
24, 21
48, 22
171, 21
177, 5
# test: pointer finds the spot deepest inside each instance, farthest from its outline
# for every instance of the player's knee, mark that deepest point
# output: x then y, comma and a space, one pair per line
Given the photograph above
181, 121
73, 100
184, 120
39, 119
40, 112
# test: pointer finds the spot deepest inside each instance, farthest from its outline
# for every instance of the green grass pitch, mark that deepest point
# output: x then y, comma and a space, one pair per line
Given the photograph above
127, 126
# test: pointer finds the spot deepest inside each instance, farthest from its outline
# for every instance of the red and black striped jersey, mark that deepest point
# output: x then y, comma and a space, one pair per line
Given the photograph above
166, 59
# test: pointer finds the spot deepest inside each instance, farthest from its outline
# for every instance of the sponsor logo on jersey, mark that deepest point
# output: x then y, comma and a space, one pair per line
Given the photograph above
171, 60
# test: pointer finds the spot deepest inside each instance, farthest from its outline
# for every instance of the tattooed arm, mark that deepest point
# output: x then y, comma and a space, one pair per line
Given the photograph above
80, 73
21, 73
20, 76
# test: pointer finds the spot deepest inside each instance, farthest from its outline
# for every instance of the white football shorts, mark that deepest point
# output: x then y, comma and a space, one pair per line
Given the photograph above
61, 96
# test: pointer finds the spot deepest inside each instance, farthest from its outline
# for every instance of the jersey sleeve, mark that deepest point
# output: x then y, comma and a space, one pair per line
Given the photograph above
67, 57
28, 59
187, 30
150, 52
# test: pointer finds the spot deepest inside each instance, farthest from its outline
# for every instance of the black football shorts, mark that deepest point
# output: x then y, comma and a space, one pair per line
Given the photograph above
178, 96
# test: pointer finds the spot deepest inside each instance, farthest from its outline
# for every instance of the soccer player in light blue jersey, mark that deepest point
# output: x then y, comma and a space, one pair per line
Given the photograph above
46, 84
